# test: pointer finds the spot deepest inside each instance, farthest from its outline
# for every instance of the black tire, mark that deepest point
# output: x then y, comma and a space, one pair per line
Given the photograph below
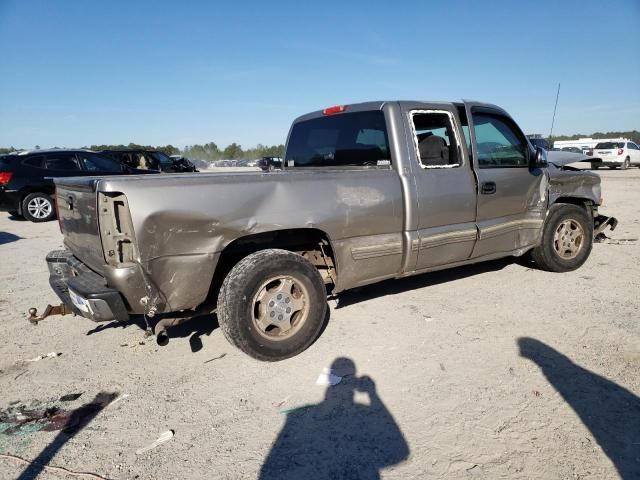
595, 166
613, 167
547, 255
625, 164
238, 307
48, 211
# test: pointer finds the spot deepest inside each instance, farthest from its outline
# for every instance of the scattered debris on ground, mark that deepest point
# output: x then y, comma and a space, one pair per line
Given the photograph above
163, 438
52, 468
47, 416
41, 357
327, 378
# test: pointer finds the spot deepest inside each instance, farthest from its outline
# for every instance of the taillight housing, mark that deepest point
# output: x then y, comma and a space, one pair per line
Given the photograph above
5, 178
620, 151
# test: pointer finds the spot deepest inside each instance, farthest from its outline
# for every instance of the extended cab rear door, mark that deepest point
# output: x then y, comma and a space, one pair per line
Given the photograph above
445, 185
512, 197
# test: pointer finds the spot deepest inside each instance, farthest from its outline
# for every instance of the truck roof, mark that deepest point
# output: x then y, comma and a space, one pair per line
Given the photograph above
379, 104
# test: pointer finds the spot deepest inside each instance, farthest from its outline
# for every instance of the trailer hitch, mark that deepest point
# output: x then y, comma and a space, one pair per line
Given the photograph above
61, 309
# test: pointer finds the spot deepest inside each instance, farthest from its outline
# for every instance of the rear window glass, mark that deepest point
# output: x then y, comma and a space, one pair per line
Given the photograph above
99, 163
347, 139
610, 145
62, 161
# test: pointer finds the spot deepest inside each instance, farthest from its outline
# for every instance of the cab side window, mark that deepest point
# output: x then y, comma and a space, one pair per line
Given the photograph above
435, 139
499, 144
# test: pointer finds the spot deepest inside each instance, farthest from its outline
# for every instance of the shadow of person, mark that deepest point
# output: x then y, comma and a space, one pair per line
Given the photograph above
337, 438
609, 411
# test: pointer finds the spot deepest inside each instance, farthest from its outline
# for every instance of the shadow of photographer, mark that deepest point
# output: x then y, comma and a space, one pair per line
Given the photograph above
337, 438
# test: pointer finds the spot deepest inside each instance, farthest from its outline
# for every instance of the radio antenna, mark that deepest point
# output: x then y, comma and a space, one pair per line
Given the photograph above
553, 120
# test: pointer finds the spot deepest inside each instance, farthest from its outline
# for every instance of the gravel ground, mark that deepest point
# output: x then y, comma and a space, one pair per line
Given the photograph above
492, 371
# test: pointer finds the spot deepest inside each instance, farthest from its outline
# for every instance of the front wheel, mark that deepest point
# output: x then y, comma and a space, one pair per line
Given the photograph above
567, 238
272, 305
625, 164
38, 207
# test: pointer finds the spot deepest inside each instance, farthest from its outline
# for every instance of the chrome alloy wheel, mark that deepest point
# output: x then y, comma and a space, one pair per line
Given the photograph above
39, 207
280, 307
568, 239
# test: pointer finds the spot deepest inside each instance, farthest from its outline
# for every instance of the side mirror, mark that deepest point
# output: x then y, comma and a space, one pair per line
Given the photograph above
539, 159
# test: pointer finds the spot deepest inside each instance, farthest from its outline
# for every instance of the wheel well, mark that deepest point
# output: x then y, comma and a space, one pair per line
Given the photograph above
581, 202
311, 243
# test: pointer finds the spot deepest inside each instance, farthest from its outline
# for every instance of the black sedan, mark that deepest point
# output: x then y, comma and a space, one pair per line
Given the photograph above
26, 178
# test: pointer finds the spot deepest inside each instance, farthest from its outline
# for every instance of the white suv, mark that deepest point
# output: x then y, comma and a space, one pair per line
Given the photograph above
616, 154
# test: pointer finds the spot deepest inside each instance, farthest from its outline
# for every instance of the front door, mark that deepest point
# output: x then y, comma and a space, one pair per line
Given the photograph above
512, 197
445, 186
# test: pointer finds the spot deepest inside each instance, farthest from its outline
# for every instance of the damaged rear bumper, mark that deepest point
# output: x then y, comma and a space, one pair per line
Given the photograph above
83, 290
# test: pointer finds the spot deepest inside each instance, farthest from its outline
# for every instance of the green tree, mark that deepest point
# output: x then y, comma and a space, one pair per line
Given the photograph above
232, 151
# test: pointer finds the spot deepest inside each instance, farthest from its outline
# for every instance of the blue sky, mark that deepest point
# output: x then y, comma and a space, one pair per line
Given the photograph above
77, 73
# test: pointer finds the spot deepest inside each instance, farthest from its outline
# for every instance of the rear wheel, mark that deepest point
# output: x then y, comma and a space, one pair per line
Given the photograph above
272, 305
567, 239
595, 166
38, 207
626, 163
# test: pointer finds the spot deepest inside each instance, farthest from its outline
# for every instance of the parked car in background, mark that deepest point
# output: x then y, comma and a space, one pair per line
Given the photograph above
182, 164
572, 150
151, 160
616, 154
26, 178
270, 163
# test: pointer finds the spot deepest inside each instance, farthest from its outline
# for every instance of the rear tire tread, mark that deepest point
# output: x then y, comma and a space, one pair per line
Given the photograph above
234, 295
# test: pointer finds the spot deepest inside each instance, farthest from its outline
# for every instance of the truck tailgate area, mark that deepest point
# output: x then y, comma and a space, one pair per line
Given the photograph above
78, 216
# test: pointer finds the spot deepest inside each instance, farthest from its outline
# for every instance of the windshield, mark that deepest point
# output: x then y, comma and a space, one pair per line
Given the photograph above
348, 139
610, 145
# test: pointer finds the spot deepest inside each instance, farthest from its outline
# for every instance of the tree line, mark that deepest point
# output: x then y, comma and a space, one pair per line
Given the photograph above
209, 151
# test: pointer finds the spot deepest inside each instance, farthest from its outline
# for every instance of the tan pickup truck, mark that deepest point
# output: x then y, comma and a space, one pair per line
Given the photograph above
366, 192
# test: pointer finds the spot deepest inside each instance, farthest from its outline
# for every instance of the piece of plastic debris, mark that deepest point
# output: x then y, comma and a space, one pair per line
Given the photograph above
327, 378
70, 397
48, 355
279, 404
216, 358
120, 397
163, 438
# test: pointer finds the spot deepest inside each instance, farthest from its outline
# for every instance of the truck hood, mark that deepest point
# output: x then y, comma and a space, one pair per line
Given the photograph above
559, 158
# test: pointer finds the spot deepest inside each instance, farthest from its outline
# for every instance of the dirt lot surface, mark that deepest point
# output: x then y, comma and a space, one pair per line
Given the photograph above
491, 371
